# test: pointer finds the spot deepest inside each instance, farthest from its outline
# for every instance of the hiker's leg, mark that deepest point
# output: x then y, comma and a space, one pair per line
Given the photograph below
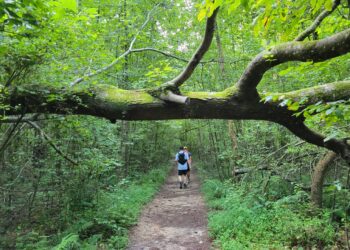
185, 179
189, 174
179, 176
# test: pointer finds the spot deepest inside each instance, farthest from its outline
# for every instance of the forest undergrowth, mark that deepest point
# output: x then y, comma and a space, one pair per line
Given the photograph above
241, 217
102, 226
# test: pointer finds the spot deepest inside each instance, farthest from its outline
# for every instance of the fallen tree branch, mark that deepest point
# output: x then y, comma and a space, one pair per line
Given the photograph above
239, 171
112, 103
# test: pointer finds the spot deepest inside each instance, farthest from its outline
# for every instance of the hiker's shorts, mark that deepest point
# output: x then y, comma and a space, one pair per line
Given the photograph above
181, 172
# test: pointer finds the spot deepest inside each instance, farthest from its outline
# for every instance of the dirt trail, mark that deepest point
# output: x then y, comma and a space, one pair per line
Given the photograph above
175, 219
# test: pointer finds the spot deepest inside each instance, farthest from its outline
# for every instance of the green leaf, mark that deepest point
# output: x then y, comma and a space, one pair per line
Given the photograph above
202, 14
294, 106
318, 5
69, 4
330, 188
234, 6
330, 111
328, 5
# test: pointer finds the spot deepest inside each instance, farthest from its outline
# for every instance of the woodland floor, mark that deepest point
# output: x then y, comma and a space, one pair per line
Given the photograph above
175, 219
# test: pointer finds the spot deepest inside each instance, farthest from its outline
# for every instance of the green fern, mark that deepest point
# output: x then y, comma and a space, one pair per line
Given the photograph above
70, 242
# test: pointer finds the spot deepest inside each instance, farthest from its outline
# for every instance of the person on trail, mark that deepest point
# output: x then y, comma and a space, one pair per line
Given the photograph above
189, 164
181, 158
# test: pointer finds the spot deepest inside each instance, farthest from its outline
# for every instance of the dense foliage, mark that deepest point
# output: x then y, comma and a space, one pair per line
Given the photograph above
75, 182
261, 199
245, 220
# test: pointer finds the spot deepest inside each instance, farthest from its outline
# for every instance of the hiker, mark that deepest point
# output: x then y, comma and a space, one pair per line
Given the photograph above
181, 158
189, 164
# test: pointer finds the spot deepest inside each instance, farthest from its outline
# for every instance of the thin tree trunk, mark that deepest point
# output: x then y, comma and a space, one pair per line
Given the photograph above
124, 146
214, 151
200, 139
318, 175
233, 134
220, 50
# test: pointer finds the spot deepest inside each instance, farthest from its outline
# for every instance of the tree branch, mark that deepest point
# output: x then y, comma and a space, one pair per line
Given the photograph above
10, 133
171, 97
317, 22
112, 103
14, 119
298, 128
115, 61
184, 59
317, 51
327, 93
160, 52
52, 144
198, 55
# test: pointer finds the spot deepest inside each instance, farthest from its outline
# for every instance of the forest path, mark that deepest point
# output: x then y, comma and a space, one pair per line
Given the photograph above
175, 219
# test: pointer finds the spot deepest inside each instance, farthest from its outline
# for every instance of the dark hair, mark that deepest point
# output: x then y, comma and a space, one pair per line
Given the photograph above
181, 148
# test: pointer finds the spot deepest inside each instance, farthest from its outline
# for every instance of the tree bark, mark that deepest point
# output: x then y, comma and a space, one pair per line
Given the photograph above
317, 179
117, 104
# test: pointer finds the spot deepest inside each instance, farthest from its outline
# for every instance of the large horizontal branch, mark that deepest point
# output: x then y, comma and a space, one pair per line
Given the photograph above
327, 93
117, 104
317, 51
113, 103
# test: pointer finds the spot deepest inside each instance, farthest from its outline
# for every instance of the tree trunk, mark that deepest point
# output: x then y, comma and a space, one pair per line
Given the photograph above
220, 51
318, 175
113, 103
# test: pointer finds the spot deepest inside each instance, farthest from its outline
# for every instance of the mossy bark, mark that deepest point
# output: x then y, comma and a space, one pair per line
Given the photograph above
114, 103
316, 51
117, 104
